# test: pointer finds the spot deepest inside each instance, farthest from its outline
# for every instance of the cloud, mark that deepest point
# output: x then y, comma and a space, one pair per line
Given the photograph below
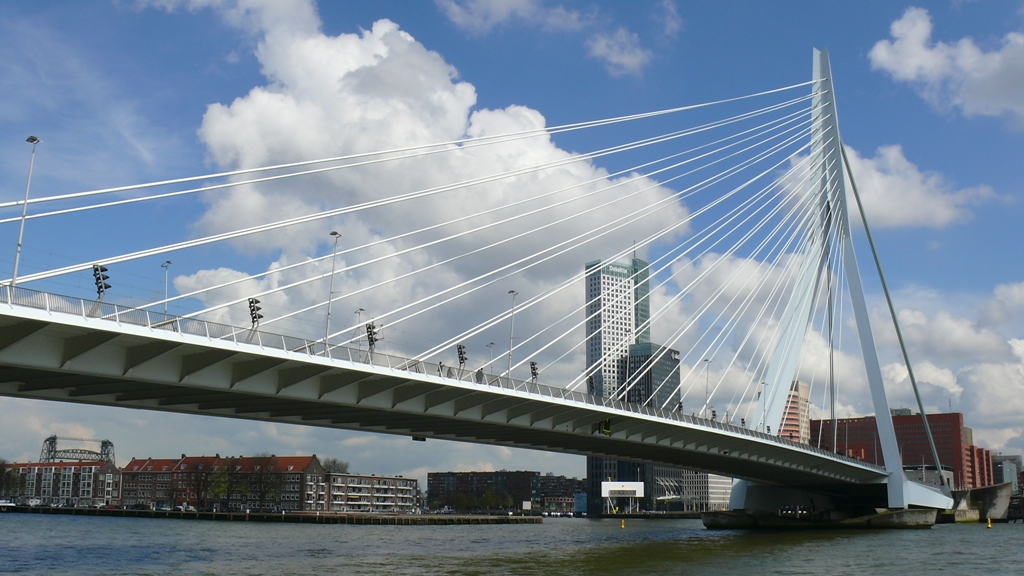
668, 14
621, 52
379, 89
897, 193
958, 75
1005, 304
482, 16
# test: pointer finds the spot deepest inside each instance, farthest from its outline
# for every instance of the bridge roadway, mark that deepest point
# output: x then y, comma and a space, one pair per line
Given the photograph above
71, 350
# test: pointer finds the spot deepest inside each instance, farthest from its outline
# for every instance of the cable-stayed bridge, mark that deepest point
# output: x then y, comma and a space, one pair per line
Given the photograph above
751, 269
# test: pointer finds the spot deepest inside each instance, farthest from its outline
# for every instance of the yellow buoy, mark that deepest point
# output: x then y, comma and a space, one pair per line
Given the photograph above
623, 524
990, 523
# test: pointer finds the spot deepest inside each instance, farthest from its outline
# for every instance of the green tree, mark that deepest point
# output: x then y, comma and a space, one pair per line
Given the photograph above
265, 481
8, 478
226, 482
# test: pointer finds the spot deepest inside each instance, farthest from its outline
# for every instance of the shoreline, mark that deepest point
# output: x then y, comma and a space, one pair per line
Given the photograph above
354, 518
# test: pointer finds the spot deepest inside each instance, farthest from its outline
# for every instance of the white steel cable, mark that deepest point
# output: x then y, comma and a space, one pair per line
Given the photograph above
500, 222
684, 193
723, 333
696, 316
692, 189
681, 293
696, 240
526, 133
297, 220
515, 271
646, 141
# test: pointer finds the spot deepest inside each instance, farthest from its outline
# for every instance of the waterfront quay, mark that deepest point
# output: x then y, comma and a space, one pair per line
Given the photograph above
294, 518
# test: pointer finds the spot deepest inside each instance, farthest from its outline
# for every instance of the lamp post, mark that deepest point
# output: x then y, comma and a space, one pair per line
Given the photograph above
511, 328
24, 207
764, 405
330, 291
359, 325
707, 378
490, 351
166, 266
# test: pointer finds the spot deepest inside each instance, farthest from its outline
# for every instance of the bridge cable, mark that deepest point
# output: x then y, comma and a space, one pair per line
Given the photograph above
483, 227
208, 188
514, 135
312, 217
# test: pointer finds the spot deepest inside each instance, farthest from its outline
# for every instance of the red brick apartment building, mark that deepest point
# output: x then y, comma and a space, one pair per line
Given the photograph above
858, 438
257, 483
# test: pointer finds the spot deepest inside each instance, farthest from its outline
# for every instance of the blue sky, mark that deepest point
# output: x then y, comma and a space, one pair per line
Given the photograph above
118, 93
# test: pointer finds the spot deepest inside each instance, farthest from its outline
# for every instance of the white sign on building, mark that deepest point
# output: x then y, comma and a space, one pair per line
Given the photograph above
622, 489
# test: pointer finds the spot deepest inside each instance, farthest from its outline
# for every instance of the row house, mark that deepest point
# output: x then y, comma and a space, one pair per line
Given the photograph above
77, 484
359, 493
265, 483
146, 483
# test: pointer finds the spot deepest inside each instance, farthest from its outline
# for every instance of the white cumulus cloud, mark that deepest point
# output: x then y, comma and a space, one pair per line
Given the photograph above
957, 75
621, 51
481, 16
896, 192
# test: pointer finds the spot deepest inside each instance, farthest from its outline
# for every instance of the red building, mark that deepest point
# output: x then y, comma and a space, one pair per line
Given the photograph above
260, 483
858, 438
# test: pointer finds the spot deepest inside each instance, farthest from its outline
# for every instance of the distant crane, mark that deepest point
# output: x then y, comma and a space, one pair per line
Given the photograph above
50, 453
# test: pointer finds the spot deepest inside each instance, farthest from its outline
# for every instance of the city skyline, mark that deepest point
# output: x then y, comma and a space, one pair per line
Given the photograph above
904, 99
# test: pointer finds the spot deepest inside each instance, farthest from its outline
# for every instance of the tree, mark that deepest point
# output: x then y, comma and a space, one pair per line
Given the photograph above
335, 466
265, 481
8, 478
226, 483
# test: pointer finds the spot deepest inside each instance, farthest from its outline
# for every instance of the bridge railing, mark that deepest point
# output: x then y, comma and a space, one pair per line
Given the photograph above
154, 320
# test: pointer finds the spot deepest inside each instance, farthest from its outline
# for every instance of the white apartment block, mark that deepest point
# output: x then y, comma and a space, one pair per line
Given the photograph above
359, 493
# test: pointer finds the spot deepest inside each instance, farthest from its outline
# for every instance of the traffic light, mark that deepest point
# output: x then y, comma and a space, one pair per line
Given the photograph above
606, 427
461, 350
533, 371
373, 335
591, 387
714, 415
254, 312
101, 280
743, 422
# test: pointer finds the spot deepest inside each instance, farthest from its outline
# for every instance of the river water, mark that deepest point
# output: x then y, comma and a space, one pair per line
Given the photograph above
34, 544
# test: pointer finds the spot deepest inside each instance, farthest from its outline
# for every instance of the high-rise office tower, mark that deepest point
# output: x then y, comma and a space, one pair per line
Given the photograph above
618, 307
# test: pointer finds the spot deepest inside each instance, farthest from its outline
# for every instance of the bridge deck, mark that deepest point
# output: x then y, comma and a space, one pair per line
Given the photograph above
67, 349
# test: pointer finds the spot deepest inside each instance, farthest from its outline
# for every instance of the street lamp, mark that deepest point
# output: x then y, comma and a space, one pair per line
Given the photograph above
330, 291
166, 265
359, 324
511, 327
24, 207
490, 351
707, 377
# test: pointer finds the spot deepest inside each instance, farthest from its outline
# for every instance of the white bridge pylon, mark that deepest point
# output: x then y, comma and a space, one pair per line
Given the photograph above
831, 193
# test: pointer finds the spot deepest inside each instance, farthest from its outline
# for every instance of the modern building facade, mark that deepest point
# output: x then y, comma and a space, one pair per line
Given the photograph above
468, 490
622, 359
74, 484
618, 311
858, 438
796, 421
503, 489
1008, 468
378, 494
